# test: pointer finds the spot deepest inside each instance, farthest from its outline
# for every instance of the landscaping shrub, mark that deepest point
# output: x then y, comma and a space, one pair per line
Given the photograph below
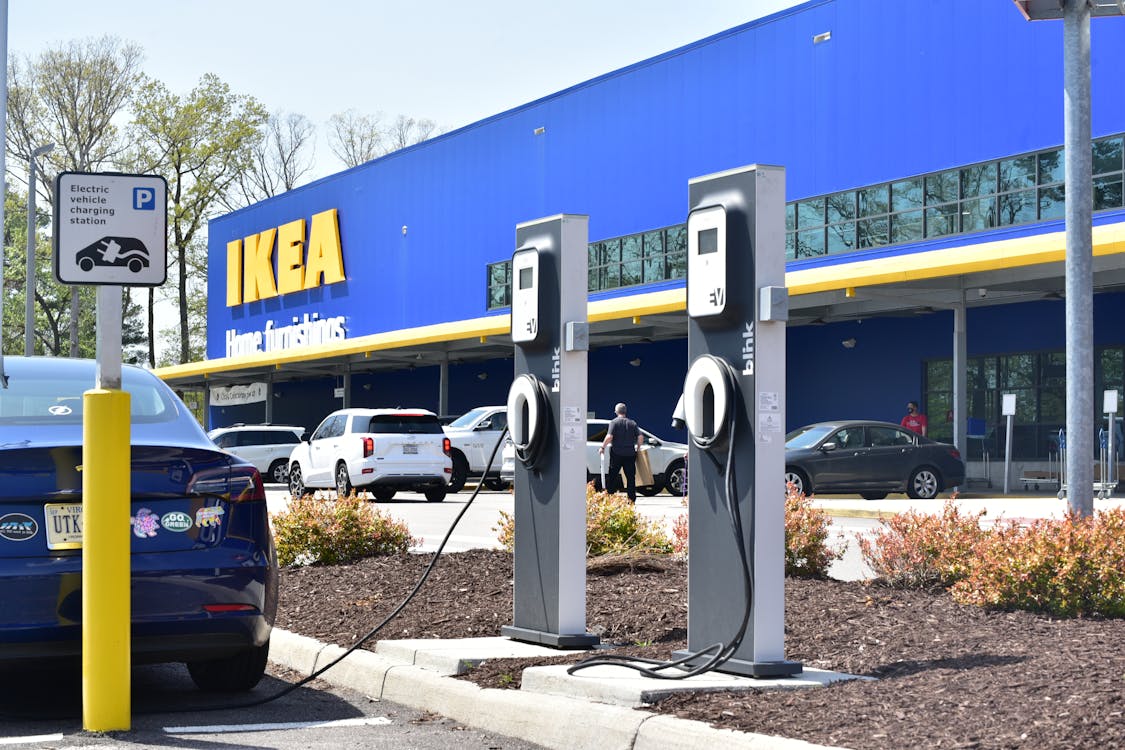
914, 550
1071, 567
336, 531
613, 526
807, 554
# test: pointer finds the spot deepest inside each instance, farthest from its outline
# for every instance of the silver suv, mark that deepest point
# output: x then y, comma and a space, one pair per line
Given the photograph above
267, 446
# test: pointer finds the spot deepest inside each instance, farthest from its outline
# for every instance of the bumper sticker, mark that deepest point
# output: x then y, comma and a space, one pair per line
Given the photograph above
176, 521
145, 523
209, 516
17, 527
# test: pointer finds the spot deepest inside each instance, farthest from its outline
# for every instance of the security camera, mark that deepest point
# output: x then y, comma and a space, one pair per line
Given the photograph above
678, 414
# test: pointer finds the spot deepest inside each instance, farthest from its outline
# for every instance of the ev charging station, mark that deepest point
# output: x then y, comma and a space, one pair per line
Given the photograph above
734, 409
547, 420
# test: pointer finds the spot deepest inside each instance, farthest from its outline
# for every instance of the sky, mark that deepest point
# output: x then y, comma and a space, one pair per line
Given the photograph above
449, 61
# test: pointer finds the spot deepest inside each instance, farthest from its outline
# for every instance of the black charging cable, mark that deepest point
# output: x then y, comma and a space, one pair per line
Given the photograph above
530, 451
371, 633
717, 653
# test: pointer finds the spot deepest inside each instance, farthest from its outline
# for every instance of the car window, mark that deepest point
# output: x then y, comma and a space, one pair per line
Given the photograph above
59, 399
847, 438
596, 432
226, 440
467, 419
322, 431
413, 424
806, 437
281, 437
881, 437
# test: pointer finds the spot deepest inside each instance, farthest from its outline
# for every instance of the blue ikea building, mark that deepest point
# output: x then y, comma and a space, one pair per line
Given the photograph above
922, 144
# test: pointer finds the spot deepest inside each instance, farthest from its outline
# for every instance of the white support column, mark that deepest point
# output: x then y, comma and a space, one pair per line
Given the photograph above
960, 363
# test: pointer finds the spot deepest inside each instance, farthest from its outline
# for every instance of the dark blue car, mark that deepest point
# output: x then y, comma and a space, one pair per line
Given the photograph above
204, 571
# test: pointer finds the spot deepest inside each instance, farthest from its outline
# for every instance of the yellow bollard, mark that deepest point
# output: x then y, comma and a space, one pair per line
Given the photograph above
106, 572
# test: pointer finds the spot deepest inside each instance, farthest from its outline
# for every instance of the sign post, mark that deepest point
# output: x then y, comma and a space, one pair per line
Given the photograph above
1008, 409
110, 231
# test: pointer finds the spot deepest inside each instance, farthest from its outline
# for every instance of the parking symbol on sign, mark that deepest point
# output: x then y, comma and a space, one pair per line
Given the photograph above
144, 199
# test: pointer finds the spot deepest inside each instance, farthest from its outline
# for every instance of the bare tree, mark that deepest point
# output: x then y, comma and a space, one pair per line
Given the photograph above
355, 138
406, 131
278, 160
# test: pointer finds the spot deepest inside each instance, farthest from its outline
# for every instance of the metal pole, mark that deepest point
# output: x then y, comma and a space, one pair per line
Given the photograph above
1008, 452
29, 301
960, 379
3, 168
1079, 259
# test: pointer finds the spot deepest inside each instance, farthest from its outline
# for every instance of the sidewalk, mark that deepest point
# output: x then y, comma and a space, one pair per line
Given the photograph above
551, 709
995, 506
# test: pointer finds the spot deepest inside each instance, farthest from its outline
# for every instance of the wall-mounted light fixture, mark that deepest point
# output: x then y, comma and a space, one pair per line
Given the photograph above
635, 361
366, 386
404, 228
482, 376
848, 343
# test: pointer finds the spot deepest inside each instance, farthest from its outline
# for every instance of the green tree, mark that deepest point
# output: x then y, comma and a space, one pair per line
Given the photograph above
69, 96
201, 142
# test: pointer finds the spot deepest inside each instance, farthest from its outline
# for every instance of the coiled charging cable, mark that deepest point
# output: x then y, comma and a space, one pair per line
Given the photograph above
717, 653
528, 390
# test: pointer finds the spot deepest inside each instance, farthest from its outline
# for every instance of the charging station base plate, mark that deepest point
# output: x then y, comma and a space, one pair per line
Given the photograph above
555, 640
745, 668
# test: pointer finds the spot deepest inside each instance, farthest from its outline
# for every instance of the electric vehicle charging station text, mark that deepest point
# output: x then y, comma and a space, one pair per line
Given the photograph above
734, 408
547, 420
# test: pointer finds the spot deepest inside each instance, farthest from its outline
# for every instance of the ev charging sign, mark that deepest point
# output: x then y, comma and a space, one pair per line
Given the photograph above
111, 229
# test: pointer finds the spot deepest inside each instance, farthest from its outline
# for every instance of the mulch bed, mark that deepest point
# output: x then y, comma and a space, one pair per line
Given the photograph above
949, 676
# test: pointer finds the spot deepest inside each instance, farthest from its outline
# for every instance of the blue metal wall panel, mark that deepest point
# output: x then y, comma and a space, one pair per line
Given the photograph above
901, 88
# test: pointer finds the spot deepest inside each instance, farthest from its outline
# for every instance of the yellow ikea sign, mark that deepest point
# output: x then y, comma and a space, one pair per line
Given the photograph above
250, 275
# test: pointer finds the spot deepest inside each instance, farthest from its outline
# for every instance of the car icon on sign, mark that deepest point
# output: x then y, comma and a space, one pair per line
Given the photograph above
114, 251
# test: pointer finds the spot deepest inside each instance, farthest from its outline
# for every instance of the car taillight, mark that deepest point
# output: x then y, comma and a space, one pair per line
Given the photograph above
955, 453
238, 483
368, 447
446, 445
222, 608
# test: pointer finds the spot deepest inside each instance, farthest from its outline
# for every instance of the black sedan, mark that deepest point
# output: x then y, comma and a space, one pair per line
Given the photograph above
871, 459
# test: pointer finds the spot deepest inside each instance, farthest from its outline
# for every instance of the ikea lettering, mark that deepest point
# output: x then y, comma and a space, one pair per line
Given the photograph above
300, 265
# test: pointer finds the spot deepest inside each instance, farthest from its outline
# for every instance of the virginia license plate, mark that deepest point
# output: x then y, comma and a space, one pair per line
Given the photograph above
410, 449
64, 525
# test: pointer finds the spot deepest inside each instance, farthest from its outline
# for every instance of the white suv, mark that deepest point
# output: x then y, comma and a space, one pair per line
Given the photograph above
381, 450
474, 436
267, 446
667, 459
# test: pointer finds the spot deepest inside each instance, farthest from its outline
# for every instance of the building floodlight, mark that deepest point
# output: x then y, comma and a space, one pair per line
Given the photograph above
1045, 10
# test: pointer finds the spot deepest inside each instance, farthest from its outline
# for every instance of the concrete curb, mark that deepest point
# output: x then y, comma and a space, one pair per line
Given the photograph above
551, 721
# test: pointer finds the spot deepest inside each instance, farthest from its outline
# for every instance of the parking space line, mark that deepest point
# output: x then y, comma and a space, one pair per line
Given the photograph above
30, 738
221, 728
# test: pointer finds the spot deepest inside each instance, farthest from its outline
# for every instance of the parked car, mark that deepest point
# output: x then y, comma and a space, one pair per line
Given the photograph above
871, 459
381, 450
667, 459
267, 446
203, 566
473, 436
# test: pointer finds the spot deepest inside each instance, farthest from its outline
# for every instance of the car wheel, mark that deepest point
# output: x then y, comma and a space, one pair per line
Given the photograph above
650, 490
797, 478
297, 482
237, 673
343, 481
435, 494
135, 265
675, 478
873, 495
86, 265
279, 471
496, 484
460, 472
924, 484
383, 494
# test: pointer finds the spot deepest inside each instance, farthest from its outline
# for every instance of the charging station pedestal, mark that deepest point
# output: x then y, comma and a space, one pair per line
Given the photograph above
547, 419
737, 307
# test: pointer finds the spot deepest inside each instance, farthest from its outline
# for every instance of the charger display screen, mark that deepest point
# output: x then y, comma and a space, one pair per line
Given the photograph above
527, 277
708, 241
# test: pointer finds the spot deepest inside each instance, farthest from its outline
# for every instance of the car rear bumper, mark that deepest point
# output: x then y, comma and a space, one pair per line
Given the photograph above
405, 482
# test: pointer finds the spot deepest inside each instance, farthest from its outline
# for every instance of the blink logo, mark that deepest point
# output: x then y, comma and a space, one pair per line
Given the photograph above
556, 371
748, 350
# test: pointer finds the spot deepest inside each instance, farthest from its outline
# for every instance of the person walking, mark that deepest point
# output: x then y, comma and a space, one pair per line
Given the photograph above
914, 420
623, 438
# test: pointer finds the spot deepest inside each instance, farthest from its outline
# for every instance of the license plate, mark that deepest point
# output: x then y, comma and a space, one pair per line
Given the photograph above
410, 449
64, 525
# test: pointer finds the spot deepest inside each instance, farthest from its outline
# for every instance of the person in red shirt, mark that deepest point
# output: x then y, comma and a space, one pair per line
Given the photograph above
914, 420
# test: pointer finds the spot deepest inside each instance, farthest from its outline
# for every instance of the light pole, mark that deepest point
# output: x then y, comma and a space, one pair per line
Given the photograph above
29, 302
1079, 235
